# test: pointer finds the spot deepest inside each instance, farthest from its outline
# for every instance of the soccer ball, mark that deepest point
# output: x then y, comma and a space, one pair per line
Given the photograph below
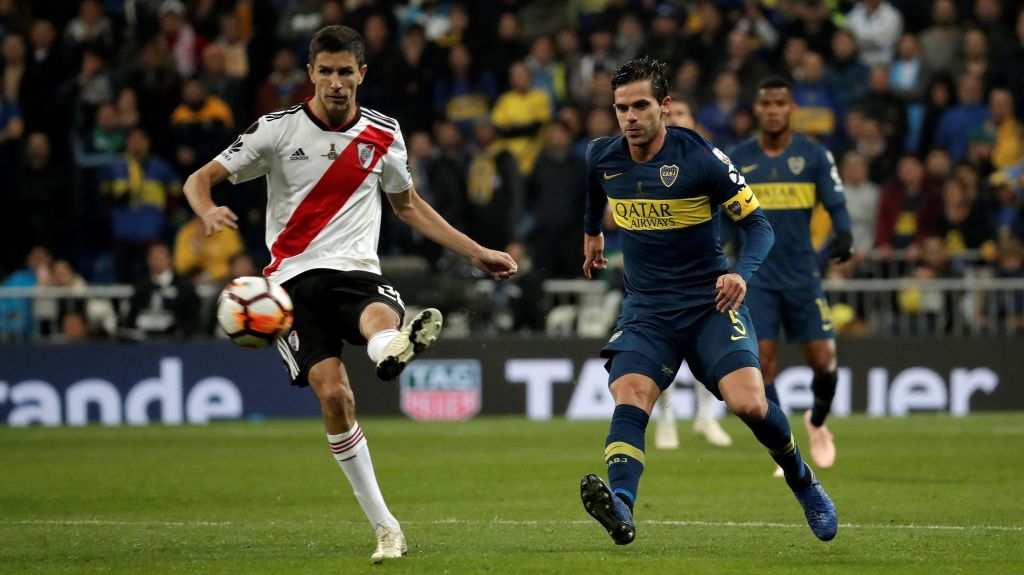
254, 311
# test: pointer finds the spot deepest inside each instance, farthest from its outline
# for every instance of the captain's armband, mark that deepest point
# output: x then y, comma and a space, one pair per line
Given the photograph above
740, 205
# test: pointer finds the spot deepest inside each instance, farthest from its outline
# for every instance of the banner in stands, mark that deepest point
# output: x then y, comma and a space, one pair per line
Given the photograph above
198, 382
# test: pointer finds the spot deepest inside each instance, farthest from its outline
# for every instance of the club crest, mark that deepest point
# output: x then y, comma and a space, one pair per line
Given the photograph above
293, 340
365, 155
735, 209
669, 174
796, 164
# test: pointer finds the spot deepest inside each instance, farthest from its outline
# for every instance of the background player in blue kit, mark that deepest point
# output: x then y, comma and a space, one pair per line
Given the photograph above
682, 302
790, 175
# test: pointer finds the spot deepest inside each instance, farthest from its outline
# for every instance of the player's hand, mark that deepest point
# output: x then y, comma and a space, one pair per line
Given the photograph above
841, 249
593, 252
498, 265
218, 218
730, 290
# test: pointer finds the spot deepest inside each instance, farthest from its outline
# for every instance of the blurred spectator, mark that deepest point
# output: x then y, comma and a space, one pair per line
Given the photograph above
97, 315
140, 188
11, 129
127, 109
937, 165
299, 21
409, 85
907, 74
939, 97
286, 85
714, 116
554, 201
877, 27
600, 123
958, 121
817, 106
520, 116
495, 191
220, 84
933, 308
907, 207
206, 258
542, 17
870, 141
740, 59
39, 199
156, 82
546, 73
96, 84
687, 81
814, 24
1006, 127
74, 328
980, 144
600, 59
89, 27
974, 55
40, 81
464, 93
15, 65
630, 37
202, 125
845, 72
885, 106
232, 41
380, 57
103, 143
506, 47
961, 224
665, 41
862, 197
16, 319
164, 304
567, 44
988, 18
178, 38
940, 43
706, 35
1011, 70
1007, 308
1007, 212
793, 52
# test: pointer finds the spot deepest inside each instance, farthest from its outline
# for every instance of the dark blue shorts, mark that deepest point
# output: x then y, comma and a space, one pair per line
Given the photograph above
804, 314
713, 343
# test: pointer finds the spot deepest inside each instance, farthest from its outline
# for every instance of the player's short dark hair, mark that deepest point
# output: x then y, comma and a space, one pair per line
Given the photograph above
337, 38
642, 68
775, 82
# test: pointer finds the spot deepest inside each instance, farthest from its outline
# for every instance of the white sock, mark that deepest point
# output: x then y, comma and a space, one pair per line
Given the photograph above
378, 343
353, 456
667, 417
705, 402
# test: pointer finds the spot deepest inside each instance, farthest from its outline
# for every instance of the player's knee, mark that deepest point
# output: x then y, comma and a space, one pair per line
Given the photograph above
338, 399
634, 391
751, 407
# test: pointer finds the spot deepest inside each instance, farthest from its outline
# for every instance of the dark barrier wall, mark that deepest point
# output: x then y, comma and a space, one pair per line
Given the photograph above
540, 378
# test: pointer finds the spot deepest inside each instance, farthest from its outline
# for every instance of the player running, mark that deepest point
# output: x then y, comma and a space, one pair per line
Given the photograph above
705, 423
790, 175
682, 302
325, 161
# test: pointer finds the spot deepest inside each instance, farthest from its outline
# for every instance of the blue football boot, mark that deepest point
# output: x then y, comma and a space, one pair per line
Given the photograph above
818, 509
609, 509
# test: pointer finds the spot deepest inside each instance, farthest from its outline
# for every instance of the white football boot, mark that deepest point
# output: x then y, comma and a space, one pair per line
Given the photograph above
390, 544
711, 430
418, 335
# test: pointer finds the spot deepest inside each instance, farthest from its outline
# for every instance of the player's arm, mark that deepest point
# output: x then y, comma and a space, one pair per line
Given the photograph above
420, 216
595, 202
830, 194
730, 189
197, 190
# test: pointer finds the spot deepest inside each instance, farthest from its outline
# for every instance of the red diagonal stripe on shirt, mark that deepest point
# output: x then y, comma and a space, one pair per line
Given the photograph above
327, 197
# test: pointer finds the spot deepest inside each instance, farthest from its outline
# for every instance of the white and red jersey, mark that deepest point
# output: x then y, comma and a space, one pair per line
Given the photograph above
323, 204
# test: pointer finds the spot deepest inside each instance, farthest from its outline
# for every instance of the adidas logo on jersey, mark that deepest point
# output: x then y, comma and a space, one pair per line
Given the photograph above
298, 155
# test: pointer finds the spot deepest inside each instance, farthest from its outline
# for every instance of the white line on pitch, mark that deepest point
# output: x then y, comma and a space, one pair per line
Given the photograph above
454, 521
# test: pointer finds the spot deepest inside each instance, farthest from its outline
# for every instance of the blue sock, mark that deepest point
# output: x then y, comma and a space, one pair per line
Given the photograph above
771, 393
824, 388
624, 451
774, 433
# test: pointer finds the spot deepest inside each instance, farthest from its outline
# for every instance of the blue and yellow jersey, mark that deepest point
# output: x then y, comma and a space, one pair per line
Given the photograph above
789, 186
667, 211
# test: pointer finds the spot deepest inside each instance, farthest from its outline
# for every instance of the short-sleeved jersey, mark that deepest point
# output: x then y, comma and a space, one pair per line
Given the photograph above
789, 186
323, 203
667, 212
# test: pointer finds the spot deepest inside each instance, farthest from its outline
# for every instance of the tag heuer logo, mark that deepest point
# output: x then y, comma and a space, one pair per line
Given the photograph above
332, 155
441, 389
298, 155
365, 154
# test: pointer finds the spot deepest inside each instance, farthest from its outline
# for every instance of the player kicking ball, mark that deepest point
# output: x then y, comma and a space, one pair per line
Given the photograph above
790, 175
665, 186
326, 162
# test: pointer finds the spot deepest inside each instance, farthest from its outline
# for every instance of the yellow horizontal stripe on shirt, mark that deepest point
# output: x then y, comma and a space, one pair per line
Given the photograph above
622, 448
661, 214
785, 195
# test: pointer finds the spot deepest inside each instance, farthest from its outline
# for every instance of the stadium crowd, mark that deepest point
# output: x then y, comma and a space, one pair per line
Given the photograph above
107, 105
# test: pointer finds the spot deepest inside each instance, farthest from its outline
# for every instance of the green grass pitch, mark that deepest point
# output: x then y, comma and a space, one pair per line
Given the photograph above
925, 494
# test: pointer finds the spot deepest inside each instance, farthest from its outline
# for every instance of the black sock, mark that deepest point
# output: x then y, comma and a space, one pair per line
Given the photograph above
624, 451
774, 433
771, 393
824, 388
